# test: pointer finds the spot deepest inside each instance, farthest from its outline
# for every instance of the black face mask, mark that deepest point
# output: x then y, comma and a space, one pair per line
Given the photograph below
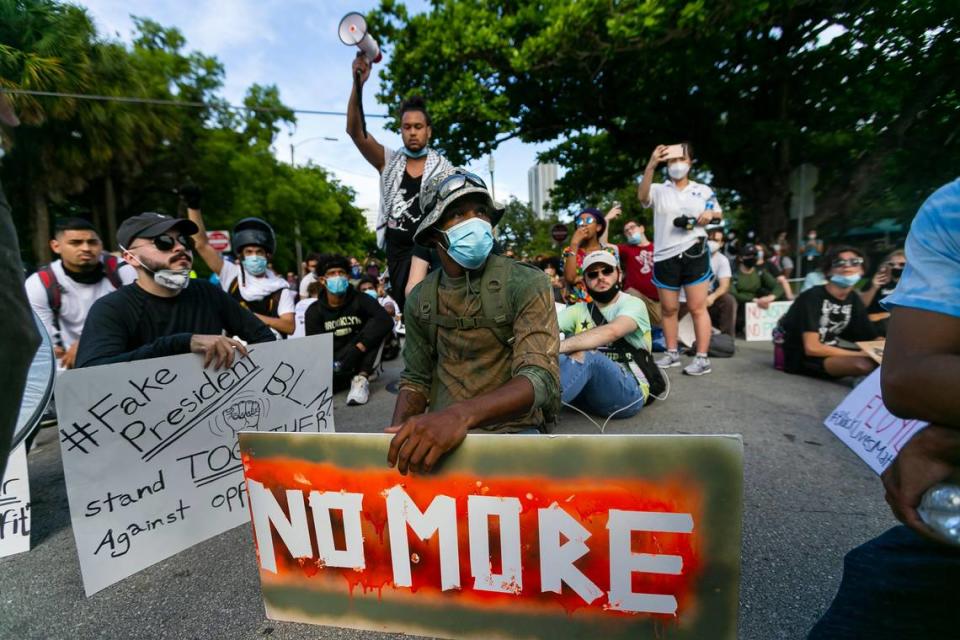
895, 273
749, 263
93, 276
603, 297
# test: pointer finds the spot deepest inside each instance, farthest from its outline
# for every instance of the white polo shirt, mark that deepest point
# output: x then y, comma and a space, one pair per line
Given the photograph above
668, 202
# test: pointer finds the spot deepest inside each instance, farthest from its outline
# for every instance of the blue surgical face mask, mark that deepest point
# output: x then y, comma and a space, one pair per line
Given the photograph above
638, 238
255, 265
337, 285
414, 154
844, 282
372, 293
470, 242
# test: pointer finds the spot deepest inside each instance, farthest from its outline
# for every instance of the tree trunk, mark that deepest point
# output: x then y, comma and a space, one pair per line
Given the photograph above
110, 212
40, 223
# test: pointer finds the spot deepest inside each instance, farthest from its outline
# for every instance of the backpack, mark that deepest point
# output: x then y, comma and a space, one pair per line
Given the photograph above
54, 291
497, 313
623, 352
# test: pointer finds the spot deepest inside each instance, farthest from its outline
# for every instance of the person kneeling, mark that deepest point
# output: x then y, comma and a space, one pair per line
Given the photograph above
593, 380
822, 324
359, 326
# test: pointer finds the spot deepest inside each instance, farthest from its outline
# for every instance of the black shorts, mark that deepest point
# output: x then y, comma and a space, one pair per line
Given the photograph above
797, 361
690, 267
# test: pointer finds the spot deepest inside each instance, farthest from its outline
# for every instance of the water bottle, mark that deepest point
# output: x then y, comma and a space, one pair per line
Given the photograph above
940, 510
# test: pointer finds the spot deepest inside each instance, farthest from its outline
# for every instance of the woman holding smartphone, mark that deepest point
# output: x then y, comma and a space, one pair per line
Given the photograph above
681, 260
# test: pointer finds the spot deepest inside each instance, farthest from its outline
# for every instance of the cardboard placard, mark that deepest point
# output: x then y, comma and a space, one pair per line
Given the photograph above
512, 536
864, 424
15, 505
150, 456
874, 349
760, 323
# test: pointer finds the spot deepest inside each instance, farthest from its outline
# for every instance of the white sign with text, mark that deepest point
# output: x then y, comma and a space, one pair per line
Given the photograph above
150, 452
864, 424
15, 505
759, 323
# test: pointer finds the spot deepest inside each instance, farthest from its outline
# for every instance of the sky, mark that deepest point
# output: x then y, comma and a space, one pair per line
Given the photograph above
294, 44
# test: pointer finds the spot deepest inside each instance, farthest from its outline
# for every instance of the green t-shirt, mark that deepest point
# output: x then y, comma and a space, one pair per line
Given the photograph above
576, 318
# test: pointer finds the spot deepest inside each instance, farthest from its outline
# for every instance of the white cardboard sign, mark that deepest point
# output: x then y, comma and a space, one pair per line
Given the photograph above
150, 453
759, 323
864, 424
15, 505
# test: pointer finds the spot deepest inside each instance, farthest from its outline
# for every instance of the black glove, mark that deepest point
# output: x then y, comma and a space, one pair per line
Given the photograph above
191, 194
345, 360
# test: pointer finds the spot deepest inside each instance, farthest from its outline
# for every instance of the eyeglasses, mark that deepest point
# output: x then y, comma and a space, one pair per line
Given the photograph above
594, 274
585, 220
167, 242
452, 184
847, 262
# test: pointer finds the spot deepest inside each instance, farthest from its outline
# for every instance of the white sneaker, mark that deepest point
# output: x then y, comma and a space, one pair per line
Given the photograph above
699, 367
669, 360
359, 391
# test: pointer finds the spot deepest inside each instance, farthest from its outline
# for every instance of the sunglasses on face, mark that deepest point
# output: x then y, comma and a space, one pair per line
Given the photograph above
167, 242
847, 262
452, 184
595, 273
585, 220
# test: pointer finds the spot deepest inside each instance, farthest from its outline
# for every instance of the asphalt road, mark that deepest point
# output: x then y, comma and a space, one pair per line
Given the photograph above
808, 500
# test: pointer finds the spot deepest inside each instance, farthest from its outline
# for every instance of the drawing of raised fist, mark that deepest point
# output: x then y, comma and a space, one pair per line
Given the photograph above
242, 415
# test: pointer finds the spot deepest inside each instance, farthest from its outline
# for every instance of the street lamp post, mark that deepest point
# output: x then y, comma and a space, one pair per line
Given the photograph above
296, 220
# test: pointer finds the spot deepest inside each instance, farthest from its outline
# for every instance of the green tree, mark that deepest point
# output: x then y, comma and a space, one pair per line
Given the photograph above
864, 90
521, 230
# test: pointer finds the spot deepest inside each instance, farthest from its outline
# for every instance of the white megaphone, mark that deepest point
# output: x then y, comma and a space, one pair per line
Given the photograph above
353, 31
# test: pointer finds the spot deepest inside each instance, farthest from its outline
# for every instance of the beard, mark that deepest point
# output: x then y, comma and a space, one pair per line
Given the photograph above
160, 265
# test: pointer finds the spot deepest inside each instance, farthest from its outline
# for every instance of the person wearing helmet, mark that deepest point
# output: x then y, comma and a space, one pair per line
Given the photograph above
482, 340
251, 282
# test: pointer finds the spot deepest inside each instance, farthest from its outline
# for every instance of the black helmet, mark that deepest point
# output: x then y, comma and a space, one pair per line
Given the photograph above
252, 231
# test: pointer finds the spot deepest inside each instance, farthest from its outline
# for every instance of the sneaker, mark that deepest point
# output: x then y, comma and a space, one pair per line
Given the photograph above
700, 366
359, 391
669, 359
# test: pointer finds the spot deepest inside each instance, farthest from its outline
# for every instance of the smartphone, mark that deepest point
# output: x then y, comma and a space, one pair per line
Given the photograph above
675, 151
616, 203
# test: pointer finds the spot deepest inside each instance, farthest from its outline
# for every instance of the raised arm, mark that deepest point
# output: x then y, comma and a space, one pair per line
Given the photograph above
371, 150
643, 191
191, 195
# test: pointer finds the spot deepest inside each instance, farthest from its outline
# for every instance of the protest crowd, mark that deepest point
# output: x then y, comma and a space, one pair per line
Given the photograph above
495, 342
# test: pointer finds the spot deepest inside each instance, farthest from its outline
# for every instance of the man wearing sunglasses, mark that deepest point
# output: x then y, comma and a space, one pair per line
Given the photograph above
481, 333
589, 379
165, 313
823, 323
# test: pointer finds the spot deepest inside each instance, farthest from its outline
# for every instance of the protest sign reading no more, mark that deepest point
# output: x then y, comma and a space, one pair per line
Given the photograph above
150, 453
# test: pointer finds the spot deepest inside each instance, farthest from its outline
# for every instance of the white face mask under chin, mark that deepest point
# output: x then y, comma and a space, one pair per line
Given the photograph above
168, 278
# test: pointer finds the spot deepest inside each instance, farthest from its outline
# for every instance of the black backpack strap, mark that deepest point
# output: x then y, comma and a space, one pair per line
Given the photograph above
624, 352
111, 268
48, 278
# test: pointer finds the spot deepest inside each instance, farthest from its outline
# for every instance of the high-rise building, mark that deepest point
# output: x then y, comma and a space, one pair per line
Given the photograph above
540, 180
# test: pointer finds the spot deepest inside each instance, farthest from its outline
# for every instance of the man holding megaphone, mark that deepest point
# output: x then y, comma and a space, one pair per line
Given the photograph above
401, 174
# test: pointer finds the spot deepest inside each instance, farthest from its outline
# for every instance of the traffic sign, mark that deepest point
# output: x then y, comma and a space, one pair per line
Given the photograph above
219, 240
559, 232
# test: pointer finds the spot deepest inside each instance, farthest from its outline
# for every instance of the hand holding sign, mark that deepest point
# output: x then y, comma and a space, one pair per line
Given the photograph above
217, 349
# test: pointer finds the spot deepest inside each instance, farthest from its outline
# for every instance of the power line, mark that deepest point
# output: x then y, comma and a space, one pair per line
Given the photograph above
173, 103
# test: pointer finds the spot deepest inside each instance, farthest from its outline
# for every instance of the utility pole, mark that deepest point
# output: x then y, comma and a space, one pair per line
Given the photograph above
493, 191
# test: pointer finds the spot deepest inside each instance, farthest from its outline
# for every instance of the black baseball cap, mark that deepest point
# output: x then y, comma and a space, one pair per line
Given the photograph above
151, 225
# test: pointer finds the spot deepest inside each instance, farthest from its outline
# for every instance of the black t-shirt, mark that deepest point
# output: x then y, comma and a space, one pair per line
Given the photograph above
404, 219
816, 310
359, 319
131, 324
882, 292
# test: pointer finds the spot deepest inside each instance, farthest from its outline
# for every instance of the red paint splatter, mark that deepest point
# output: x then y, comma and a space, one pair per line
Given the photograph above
588, 500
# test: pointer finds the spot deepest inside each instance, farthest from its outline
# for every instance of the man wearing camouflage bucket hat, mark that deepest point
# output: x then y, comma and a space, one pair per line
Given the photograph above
482, 341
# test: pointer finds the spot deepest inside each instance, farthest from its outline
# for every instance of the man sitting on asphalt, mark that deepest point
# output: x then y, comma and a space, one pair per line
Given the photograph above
589, 379
481, 333
358, 323
251, 283
160, 315
62, 292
